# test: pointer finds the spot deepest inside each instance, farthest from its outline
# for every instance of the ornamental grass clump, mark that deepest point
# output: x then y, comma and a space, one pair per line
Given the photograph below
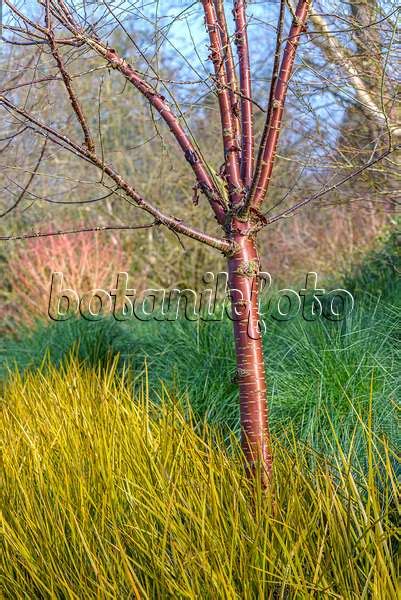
106, 495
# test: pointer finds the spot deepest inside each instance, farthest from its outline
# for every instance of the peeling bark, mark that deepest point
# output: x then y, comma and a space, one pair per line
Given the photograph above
244, 268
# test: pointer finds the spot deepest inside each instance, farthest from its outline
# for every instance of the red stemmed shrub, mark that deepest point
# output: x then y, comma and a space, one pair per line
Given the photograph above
87, 261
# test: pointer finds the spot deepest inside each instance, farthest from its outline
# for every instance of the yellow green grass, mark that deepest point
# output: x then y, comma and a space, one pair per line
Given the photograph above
108, 496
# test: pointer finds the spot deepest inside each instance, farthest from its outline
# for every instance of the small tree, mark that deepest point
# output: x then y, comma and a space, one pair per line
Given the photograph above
61, 31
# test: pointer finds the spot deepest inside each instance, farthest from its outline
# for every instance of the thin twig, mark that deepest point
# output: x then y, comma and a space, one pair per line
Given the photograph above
289, 211
26, 187
170, 222
75, 103
39, 234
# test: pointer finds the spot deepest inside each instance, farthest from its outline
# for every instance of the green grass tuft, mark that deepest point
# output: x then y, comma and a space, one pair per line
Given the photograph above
319, 373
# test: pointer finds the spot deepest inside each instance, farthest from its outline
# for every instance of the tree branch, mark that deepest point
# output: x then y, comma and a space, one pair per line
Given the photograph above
204, 178
39, 234
231, 149
335, 51
26, 187
172, 223
275, 75
289, 211
241, 41
262, 181
231, 76
75, 103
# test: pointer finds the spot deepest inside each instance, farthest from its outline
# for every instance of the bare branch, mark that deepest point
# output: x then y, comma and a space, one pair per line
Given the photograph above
231, 148
28, 184
158, 102
275, 75
172, 223
75, 103
241, 41
229, 65
289, 211
38, 234
334, 50
24, 18
269, 153
32, 82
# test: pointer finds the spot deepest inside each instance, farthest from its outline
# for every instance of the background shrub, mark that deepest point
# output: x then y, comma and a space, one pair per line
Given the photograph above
87, 261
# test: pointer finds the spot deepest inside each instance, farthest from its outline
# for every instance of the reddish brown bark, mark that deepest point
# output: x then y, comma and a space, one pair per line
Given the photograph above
277, 105
159, 103
231, 149
229, 67
275, 74
241, 39
244, 285
172, 223
239, 214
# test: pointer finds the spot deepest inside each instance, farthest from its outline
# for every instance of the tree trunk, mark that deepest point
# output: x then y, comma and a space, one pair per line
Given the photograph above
243, 269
